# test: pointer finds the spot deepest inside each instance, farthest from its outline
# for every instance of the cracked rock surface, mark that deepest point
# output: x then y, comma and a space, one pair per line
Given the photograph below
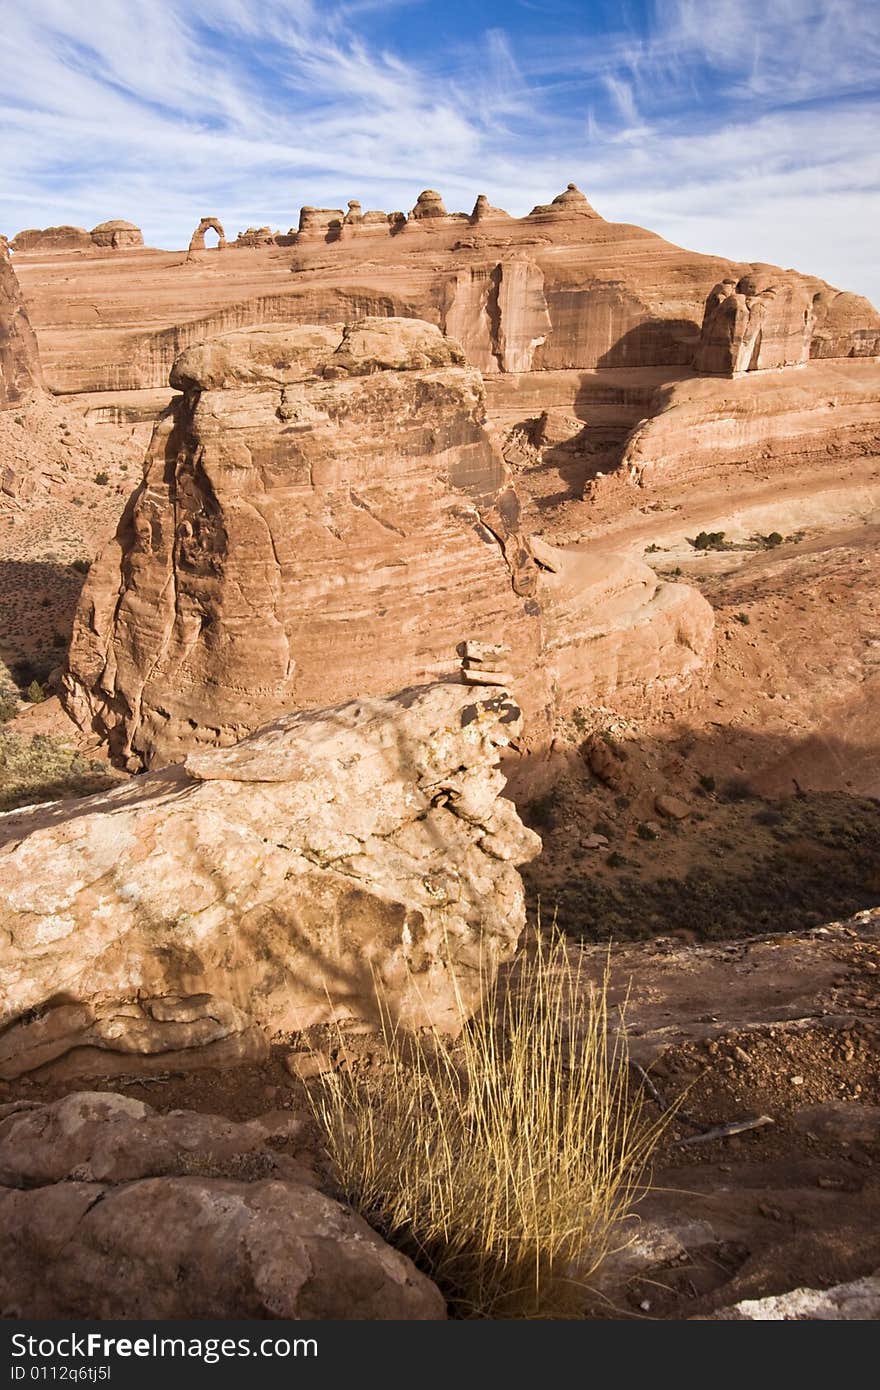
335, 857
109, 1209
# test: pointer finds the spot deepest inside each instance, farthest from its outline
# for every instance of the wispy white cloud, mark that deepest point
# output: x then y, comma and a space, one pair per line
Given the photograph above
737, 126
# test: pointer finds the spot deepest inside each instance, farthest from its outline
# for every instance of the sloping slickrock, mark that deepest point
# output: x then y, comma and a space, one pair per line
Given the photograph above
101, 1216
699, 428
20, 372
334, 858
621, 635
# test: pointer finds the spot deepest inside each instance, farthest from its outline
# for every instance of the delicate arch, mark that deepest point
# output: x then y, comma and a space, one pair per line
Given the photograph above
207, 224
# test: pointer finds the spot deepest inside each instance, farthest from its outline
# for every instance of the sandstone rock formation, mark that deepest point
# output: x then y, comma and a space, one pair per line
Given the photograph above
483, 210
621, 637
614, 295
323, 513
332, 864
63, 238
498, 312
318, 222
428, 204
761, 321
570, 201
110, 1210
117, 235
207, 224
20, 371
695, 430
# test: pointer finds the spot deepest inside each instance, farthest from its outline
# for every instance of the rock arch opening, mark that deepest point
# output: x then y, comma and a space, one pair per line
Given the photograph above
207, 224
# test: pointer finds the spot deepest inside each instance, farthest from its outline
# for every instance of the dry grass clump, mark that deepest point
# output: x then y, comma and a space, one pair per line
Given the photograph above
506, 1162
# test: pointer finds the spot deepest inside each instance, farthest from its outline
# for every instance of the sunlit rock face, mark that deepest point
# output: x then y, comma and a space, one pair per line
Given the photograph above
20, 371
333, 864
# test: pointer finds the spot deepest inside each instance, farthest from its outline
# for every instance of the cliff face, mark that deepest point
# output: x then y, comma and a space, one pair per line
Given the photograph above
559, 289
20, 371
323, 515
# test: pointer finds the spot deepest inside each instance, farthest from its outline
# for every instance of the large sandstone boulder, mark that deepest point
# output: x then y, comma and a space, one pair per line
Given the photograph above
332, 864
117, 235
323, 513
20, 371
110, 1210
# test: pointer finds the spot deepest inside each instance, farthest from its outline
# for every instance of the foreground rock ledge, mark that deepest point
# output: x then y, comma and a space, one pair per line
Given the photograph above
111, 1210
267, 887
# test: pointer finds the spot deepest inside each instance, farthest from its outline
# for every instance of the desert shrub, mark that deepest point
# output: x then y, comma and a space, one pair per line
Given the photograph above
742, 618
8, 704
102, 478
645, 832
44, 768
772, 540
506, 1163
737, 789
580, 719
35, 693
709, 540
707, 781
81, 566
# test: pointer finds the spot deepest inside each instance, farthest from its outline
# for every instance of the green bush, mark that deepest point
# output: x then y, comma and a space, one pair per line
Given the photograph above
709, 540
35, 693
102, 478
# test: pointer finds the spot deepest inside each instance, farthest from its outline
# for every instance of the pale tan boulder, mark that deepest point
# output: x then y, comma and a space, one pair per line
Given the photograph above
333, 864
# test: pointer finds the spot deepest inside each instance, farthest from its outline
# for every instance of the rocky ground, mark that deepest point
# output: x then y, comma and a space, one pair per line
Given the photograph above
782, 1028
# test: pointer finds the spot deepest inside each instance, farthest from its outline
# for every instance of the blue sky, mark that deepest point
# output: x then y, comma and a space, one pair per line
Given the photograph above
750, 128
